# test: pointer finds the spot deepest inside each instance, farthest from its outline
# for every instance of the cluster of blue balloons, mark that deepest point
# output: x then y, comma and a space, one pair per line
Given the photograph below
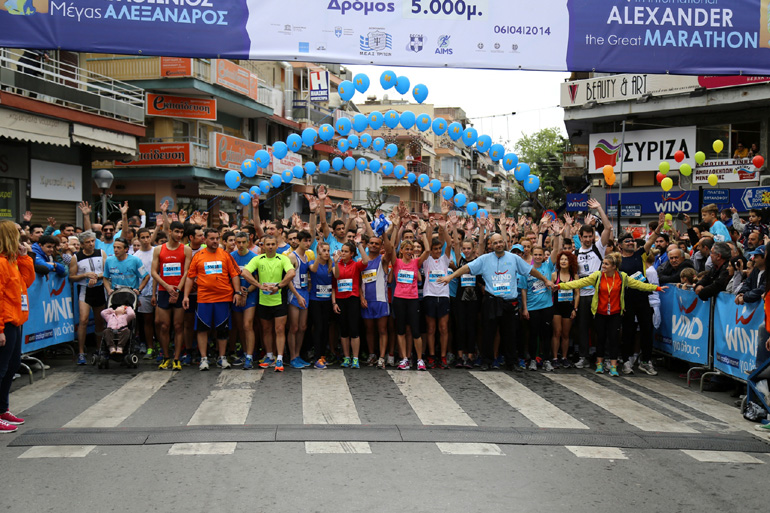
347, 89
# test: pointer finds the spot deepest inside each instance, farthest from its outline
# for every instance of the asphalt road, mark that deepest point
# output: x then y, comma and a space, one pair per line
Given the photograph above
143, 440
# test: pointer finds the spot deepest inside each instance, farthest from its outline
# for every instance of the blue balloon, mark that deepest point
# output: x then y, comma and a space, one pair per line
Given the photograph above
411, 177
326, 132
298, 172
496, 152
337, 163
309, 137
255, 190
378, 144
423, 180
510, 160
280, 150
434, 185
249, 168
420, 93
532, 183
447, 193
402, 85
244, 198
350, 163
262, 158
362, 164
346, 89
439, 126
343, 145
374, 166
472, 208
264, 186
469, 136
360, 122
287, 175
391, 119
366, 140
387, 168
353, 140
276, 181
407, 119
376, 119
324, 166
344, 126
455, 130
521, 172
310, 168
388, 79
460, 199
233, 179
482, 213
391, 150
399, 171
294, 142
361, 82
422, 122
483, 143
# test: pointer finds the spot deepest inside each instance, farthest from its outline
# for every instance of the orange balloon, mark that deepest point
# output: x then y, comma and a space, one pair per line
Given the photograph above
610, 180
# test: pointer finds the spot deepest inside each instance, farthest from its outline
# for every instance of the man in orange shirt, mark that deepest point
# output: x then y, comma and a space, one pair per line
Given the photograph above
219, 285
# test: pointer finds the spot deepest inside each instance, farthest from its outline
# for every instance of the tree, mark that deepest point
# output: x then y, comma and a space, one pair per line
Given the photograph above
375, 199
543, 151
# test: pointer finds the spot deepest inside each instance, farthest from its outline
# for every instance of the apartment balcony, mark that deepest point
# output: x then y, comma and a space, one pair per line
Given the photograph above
574, 164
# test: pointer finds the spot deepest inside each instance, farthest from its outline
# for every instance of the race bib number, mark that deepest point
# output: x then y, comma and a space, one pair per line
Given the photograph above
345, 285
303, 281
564, 296
170, 270
212, 267
434, 275
369, 276
24, 303
467, 280
538, 287
406, 277
324, 291
501, 288
270, 285
638, 276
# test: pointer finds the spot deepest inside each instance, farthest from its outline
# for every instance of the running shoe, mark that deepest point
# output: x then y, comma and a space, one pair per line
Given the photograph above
248, 363
443, 363
566, 363
266, 362
391, 361
582, 363
498, 363
460, 364
431, 362
764, 428
10, 418
355, 364
303, 362
548, 366
331, 359
177, 365
320, 363
532, 365
166, 364
599, 368
149, 355
484, 367
81, 359
468, 363
614, 371
421, 365
648, 368
7, 428
404, 365
478, 361
345, 362
222, 362
237, 360
522, 363
380, 363
295, 364
159, 357
516, 368
278, 365
628, 367
450, 358
372, 360
204, 365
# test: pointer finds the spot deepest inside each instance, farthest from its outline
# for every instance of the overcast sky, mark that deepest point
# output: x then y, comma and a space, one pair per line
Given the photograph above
533, 95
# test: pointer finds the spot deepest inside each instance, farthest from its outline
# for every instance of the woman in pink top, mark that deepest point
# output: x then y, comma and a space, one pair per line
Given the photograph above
117, 324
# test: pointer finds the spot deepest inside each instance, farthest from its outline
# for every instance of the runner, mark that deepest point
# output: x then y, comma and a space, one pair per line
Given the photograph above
298, 297
565, 306
347, 274
146, 306
194, 235
86, 271
436, 294
374, 299
244, 315
218, 287
466, 305
320, 309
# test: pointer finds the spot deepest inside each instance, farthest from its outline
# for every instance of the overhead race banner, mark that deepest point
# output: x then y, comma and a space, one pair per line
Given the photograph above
736, 335
684, 326
685, 37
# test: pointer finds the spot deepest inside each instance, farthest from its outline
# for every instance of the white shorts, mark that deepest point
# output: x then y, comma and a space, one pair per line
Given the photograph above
145, 305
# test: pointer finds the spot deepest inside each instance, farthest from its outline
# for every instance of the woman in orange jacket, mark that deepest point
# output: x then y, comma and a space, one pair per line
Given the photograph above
17, 272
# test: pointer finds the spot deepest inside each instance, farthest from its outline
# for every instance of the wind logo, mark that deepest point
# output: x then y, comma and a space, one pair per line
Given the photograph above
740, 319
741, 340
673, 204
443, 45
57, 310
686, 327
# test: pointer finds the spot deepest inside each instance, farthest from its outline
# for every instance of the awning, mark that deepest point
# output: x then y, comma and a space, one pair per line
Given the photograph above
28, 127
104, 139
213, 191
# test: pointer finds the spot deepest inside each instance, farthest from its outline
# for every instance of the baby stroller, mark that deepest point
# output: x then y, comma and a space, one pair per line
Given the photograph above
122, 296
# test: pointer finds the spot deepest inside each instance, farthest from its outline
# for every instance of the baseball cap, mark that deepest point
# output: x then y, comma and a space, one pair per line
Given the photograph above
517, 247
759, 251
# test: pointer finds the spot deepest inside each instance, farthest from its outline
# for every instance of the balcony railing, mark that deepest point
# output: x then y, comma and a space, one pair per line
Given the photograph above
55, 81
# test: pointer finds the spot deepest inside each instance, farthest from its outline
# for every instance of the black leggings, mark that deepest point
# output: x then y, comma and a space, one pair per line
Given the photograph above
407, 313
465, 315
320, 313
350, 316
607, 335
540, 325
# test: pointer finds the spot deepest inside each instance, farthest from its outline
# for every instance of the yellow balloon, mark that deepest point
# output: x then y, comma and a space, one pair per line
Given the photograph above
713, 179
718, 145
666, 184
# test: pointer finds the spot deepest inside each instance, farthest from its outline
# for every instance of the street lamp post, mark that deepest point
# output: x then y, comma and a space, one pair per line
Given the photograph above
103, 179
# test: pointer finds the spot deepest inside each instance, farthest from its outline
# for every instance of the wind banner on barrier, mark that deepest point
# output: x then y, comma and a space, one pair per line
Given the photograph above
684, 326
51, 314
736, 335
576, 35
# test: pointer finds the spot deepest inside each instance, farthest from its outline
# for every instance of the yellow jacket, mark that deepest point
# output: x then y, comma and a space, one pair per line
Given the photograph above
595, 280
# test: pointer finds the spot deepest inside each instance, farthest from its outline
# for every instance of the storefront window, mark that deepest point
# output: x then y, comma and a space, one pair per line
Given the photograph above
8, 199
705, 137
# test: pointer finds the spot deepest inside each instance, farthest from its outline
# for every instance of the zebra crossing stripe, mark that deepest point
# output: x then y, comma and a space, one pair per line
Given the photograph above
435, 407
534, 407
627, 409
326, 399
604, 453
722, 457
31, 395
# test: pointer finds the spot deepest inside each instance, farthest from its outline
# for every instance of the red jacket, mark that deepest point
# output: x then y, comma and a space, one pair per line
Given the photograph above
14, 280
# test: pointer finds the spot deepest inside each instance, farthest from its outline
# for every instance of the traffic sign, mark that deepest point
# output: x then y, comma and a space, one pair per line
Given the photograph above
718, 196
756, 197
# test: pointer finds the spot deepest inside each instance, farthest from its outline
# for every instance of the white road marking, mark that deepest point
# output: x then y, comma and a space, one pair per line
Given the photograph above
30, 395
627, 409
533, 406
604, 453
58, 451
435, 407
722, 456
201, 449
326, 399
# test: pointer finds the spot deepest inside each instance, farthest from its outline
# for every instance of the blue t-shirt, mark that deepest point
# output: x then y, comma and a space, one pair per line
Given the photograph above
242, 261
107, 248
320, 283
124, 273
334, 244
500, 273
538, 295
719, 231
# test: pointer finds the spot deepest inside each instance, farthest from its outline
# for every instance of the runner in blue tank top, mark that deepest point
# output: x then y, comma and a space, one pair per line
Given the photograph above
298, 300
374, 299
321, 301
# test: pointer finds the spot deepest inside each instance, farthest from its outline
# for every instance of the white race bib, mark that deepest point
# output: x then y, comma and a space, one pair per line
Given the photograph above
538, 287
270, 293
345, 285
369, 276
24, 303
435, 274
173, 269
303, 281
467, 280
406, 277
565, 295
324, 291
212, 267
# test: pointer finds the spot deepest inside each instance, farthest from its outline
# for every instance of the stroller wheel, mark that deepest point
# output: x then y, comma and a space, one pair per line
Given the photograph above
134, 360
95, 359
